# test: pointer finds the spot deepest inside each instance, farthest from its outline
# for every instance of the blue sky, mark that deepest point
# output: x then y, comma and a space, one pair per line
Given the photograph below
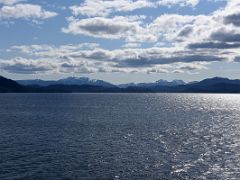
120, 40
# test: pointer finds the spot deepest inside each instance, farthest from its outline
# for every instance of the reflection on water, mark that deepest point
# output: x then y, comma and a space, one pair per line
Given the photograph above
119, 136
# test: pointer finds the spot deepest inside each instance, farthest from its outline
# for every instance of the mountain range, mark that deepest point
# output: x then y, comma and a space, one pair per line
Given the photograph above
83, 84
68, 81
95, 82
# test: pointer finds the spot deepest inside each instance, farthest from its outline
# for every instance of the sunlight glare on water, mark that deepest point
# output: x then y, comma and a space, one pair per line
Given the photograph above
119, 136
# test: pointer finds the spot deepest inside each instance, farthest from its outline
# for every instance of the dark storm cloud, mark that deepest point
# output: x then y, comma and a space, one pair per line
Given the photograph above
103, 28
20, 68
145, 62
233, 19
237, 59
225, 37
98, 54
213, 45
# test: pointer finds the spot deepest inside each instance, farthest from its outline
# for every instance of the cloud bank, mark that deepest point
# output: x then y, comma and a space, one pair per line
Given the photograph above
16, 9
168, 43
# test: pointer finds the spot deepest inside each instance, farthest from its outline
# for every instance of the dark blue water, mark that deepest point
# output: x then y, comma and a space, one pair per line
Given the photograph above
119, 136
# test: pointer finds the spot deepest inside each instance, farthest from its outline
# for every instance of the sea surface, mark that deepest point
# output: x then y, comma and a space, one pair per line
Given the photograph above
119, 136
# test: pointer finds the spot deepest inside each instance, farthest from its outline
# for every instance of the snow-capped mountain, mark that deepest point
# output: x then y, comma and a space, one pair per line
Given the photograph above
67, 81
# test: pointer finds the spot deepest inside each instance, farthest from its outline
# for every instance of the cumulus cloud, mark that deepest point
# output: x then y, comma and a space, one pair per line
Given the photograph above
10, 2
24, 11
156, 70
53, 51
213, 45
232, 13
93, 8
21, 65
191, 43
192, 3
107, 7
193, 66
25, 66
45, 66
155, 55
174, 29
60, 66
129, 28
220, 26
225, 36
218, 31
73, 58
150, 61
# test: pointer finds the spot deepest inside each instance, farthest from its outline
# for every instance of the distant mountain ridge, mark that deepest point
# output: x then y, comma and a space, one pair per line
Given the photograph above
96, 82
69, 85
67, 81
215, 85
160, 82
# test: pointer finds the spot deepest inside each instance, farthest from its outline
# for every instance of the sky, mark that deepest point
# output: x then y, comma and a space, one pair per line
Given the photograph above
120, 41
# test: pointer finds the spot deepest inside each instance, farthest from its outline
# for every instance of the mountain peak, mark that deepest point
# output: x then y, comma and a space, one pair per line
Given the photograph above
217, 78
175, 82
68, 81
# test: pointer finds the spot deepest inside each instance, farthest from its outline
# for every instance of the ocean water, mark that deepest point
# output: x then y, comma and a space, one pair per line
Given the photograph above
119, 136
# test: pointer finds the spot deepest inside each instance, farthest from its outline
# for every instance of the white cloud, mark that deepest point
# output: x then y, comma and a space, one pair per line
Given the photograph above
10, 2
71, 58
25, 11
167, 29
44, 65
167, 26
93, 8
193, 66
129, 28
40, 50
215, 32
20, 65
191, 44
192, 3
